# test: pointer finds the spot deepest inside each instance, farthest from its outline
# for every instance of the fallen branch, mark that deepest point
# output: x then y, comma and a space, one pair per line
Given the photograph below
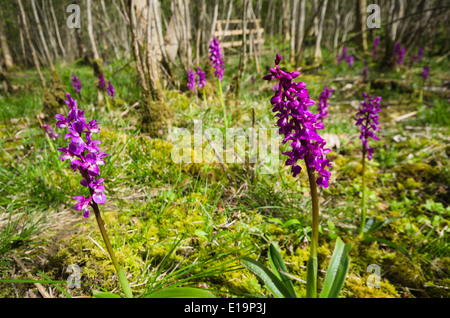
39, 286
400, 118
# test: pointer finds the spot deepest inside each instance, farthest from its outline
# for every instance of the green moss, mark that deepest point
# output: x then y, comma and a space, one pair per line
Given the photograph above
356, 287
97, 66
178, 100
54, 96
419, 172
156, 116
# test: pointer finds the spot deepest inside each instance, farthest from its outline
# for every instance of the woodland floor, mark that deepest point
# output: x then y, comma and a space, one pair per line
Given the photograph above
188, 224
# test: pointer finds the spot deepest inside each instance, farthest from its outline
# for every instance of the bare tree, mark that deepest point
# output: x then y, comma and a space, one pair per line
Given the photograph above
317, 50
30, 44
41, 35
5, 48
301, 31
337, 24
360, 24
293, 29
91, 30
214, 21
58, 35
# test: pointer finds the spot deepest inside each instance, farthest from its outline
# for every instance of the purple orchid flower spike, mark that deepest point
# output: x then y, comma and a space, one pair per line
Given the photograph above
83, 153
367, 121
101, 82
323, 103
110, 90
376, 43
216, 58
297, 124
201, 78
49, 131
191, 80
76, 84
425, 72
350, 60
399, 54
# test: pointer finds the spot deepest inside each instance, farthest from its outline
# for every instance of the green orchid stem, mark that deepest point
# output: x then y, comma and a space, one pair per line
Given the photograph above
223, 104
120, 271
204, 98
421, 92
363, 204
50, 143
107, 105
312, 262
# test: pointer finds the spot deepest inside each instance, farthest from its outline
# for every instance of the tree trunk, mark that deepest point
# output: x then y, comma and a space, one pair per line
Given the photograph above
243, 57
58, 35
109, 30
30, 43
5, 49
317, 50
41, 35
199, 31
227, 23
214, 21
390, 35
137, 56
337, 24
44, 12
152, 65
91, 31
301, 31
286, 18
360, 24
293, 29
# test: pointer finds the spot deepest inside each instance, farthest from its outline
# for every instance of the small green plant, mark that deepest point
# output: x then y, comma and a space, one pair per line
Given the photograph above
278, 281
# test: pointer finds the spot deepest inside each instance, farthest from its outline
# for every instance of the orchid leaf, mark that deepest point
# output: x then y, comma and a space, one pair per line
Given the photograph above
180, 292
273, 283
337, 270
276, 263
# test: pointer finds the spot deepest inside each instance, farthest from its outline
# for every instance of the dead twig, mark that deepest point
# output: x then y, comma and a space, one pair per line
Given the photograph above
39, 286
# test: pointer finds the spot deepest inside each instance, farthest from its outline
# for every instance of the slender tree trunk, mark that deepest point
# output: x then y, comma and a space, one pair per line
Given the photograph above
41, 35
91, 30
347, 19
360, 24
188, 38
286, 19
293, 29
272, 24
214, 21
44, 12
317, 50
162, 46
30, 43
337, 24
152, 65
5, 49
58, 35
230, 9
243, 57
22, 46
301, 31
109, 29
199, 31
390, 35
137, 56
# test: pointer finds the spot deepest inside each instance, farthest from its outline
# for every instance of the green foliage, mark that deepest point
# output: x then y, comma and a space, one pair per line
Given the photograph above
337, 270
